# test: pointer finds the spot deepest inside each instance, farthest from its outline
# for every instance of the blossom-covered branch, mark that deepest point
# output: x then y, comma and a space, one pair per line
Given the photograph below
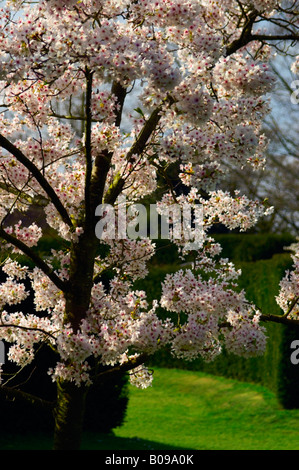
18, 154
138, 147
32, 255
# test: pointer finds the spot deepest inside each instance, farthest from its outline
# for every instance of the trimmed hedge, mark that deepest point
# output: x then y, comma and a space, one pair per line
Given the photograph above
237, 247
252, 247
260, 279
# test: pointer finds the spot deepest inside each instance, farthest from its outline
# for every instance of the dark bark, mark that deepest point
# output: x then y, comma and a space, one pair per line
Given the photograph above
69, 415
279, 319
120, 92
81, 279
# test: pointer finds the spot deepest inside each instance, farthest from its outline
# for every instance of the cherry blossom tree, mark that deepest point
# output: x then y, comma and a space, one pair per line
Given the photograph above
199, 72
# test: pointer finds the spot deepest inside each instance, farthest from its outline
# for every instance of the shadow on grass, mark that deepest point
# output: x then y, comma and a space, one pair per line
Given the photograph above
90, 441
29, 441
111, 442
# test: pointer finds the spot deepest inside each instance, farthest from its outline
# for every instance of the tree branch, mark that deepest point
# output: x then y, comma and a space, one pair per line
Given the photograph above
137, 148
38, 199
99, 174
96, 175
279, 319
72, 118
127, 366
18, 154
12, 394
277, 37
27, 328
88, 147
246, 35
120, 92
61, 285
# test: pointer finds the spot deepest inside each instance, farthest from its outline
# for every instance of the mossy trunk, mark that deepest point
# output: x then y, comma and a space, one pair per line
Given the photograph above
69, 415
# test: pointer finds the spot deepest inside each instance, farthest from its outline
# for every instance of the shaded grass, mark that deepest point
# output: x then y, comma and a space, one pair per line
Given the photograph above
189, 410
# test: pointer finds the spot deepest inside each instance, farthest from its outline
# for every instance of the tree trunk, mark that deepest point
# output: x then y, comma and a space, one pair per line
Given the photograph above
70, 408
69, 415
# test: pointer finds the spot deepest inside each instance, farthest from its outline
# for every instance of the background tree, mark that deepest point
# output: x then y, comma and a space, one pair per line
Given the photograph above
277, 181
202, 69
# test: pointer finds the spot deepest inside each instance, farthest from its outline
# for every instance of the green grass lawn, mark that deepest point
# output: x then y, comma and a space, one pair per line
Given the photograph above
191, 410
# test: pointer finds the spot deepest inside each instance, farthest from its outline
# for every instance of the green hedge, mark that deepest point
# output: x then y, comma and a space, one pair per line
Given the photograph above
252, 247
260, 279
235, 246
